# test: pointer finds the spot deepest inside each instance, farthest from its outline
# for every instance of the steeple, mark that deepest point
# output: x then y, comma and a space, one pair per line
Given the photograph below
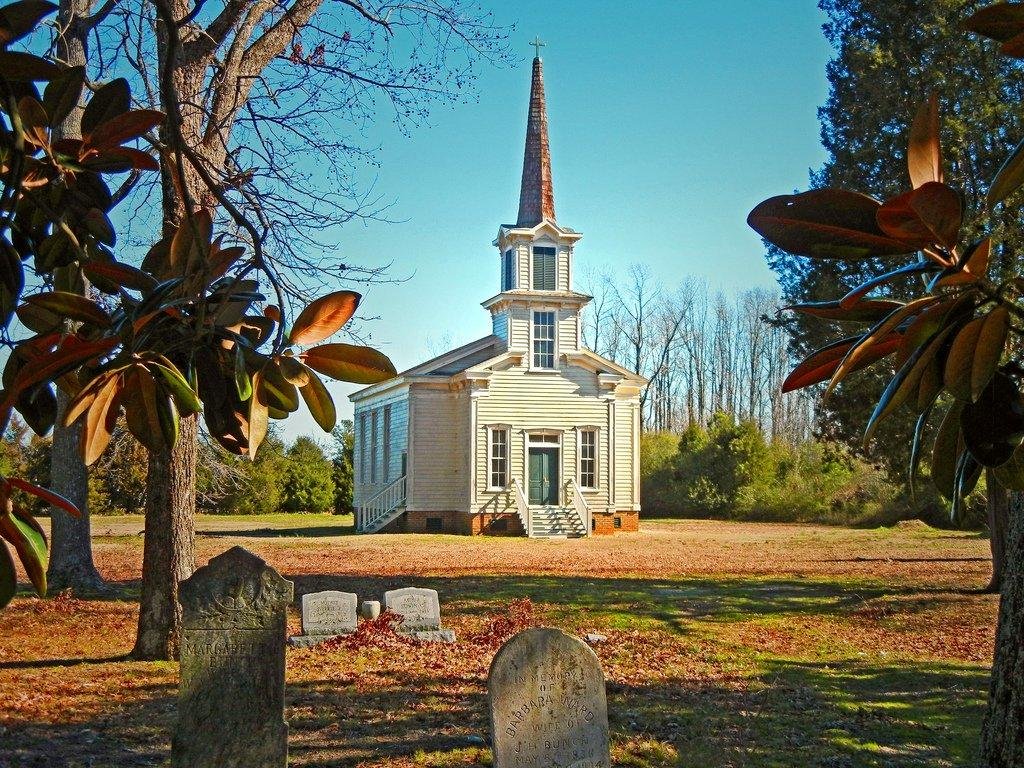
537, 195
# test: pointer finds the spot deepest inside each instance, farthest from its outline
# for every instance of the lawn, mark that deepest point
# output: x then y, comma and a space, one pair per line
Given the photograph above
728, 644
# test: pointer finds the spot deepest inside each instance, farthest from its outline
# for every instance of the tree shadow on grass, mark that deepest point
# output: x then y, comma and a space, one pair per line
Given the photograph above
672, 603
312, 531
819, 715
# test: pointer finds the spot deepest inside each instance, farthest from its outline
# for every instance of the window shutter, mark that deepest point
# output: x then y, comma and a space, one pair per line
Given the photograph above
544, 265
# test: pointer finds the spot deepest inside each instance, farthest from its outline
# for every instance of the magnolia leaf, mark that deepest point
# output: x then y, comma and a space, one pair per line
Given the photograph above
21, 18
905, 382
993, 426
825, 224
293, 370
924, 153
275, 391
129, 125
319, 402
347, 362
946, 451
184, 396
243, 384
960, 360
854, 297
191, 243
324, 317
100, 420
929, 214
50, 497
72, 353
970, 269
870, 310
879, 332
8, 577
967, 473
123, 274
1008, 178
38, 407
988, 349
29, 542
108, 102
258, 418
930, 387
140, 409
932, 320
24, 67
63, 94
821, 364
71, 306
916, 444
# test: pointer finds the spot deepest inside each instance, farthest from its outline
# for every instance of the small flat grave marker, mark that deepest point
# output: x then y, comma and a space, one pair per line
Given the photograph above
326, 615
420, 610
547, 703
231, 695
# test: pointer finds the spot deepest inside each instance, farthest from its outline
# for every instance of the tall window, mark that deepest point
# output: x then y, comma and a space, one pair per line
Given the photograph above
543, 339
499, 458
373, 447
588, 458
387, 442
543, 268
363, 446
508, 271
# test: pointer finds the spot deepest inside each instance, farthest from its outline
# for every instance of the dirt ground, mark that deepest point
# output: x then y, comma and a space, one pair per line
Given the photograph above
728, 645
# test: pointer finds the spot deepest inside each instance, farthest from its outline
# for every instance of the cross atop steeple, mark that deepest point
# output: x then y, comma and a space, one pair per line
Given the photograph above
538, 44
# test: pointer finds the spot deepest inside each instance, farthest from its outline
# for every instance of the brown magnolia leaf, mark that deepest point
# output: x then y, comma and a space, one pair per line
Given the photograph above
993, 425
930, 321
825, 224
50, 497
821, 364
959, 362
123, 127
930, 386
319, 402
924, 216
258, 417
348, 362
111, 100
19, 19
946, 451
924, 153
974, 268
293, 370
879, 332
100, 420
863, 310
190, 245
138, 411
323, 317
988, 350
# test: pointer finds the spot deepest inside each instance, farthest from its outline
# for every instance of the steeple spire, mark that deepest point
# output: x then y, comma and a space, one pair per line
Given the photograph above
537, 195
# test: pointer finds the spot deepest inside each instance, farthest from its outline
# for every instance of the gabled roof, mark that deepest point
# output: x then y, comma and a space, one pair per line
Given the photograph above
446, 364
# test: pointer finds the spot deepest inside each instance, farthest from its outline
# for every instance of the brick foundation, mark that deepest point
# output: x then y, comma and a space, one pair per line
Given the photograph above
628, 520
499, 523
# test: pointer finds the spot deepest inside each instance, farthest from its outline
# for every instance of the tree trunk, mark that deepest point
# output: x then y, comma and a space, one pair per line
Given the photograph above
71, 564
169, 554
1002, 739
998, 520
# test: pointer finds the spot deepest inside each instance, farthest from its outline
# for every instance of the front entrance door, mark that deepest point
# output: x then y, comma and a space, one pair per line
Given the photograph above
544, 475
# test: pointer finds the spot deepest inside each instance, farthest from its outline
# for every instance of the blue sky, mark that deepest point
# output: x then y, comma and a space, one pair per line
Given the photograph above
668, 122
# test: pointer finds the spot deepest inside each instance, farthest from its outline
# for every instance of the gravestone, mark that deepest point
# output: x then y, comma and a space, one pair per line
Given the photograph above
231, 695
326, 615
370, 609
547, 703
420, 611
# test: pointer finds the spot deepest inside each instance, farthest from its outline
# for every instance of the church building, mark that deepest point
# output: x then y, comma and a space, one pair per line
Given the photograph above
523, 432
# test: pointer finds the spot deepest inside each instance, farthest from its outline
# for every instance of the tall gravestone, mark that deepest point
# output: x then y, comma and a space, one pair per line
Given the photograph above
547, 703
231, 696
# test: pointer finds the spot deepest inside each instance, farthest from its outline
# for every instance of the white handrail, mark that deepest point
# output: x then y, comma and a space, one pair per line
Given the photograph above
582, 508
522, 507
380, 505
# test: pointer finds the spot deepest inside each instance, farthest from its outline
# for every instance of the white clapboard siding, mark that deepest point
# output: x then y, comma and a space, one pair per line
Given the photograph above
519, 328
529, 401
398, 443
568, 328
625, 444
563, 280
440, 450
